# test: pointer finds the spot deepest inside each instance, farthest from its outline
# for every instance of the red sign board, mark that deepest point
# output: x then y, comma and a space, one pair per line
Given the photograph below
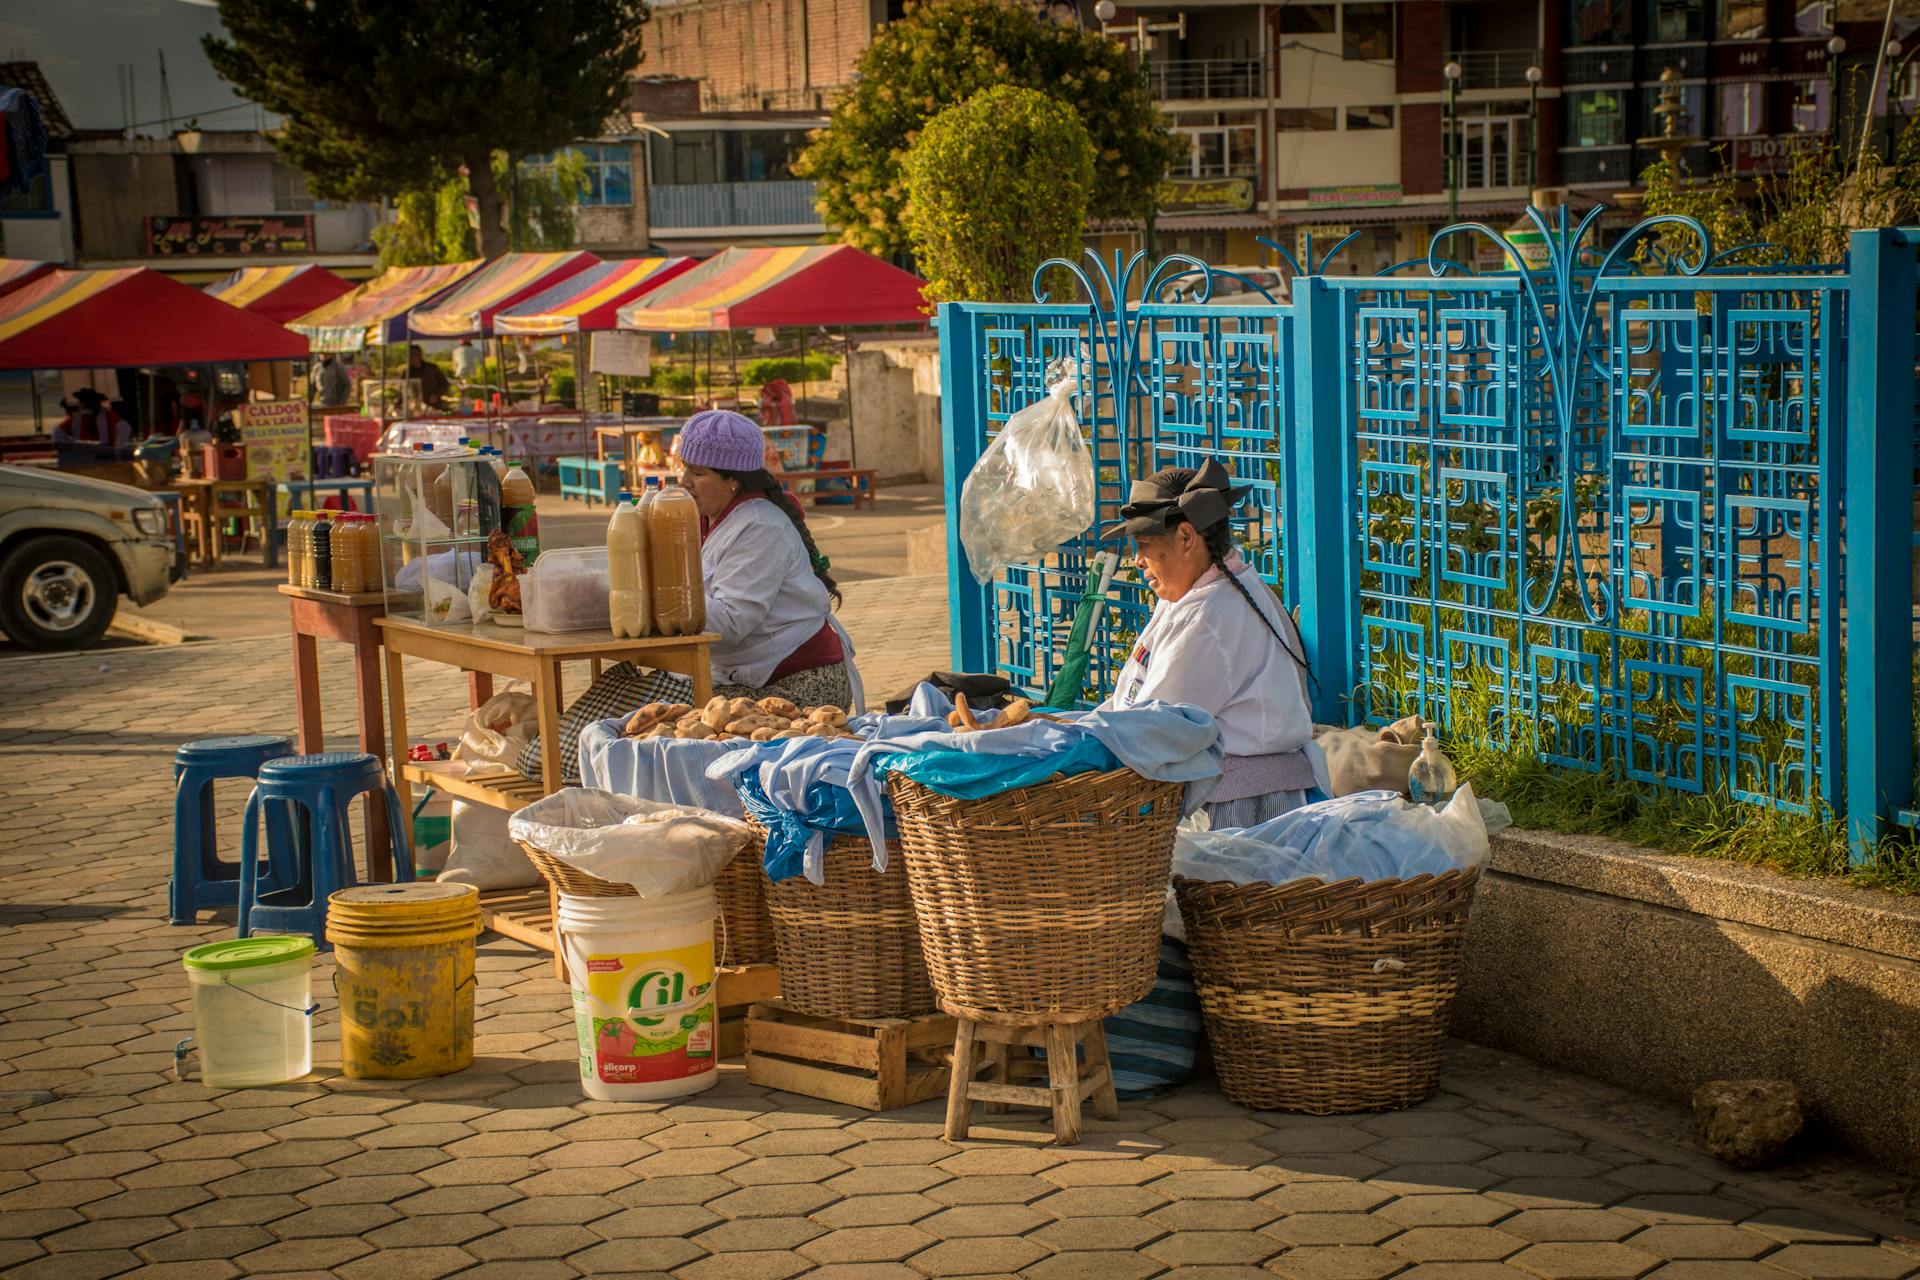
1773, 155
230, 235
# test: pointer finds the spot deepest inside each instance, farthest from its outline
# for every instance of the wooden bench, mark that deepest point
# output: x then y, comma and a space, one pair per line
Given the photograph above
862, 488
591, 479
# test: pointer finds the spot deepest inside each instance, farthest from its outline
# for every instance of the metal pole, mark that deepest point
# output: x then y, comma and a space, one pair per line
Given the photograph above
1873, 90
1453, 150
853, 436
1533, 114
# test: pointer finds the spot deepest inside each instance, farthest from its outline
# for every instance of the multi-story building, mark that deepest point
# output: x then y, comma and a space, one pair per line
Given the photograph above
38, 223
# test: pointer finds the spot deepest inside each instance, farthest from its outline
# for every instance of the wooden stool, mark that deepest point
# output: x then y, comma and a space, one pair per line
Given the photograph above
980, 1041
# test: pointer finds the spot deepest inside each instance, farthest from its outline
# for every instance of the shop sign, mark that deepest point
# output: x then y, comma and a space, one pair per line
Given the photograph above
1206, 195
230, 235
1773, 155
275, 435
1376, 193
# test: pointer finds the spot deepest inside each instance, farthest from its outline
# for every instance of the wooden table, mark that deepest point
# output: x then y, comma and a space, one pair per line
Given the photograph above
204, 506
625, 433
489, 649
347, 619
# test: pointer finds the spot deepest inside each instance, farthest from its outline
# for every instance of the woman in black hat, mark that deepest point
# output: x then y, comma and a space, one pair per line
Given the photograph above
1219, 640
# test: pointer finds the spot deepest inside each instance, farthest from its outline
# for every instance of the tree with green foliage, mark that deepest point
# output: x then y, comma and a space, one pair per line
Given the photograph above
995, 186
383, 99
942, 53
433, 225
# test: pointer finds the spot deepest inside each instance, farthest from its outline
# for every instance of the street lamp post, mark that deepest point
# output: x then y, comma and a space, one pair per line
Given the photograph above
1452, 72
1894, 50
1534, 76
1835, 47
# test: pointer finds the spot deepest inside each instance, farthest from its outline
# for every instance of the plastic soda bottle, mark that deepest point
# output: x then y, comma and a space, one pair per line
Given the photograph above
1432, 779
322, 552
296, 548
629, 604
517, 513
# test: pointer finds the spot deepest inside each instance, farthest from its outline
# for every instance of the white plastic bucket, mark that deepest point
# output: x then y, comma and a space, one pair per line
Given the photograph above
252, 1003
643, 997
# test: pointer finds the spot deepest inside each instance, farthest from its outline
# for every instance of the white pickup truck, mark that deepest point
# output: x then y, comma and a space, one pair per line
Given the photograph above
70, 547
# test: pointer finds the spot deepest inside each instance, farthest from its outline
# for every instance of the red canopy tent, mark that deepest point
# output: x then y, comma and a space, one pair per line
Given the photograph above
131, 317
282, 293
15, 272
833, 285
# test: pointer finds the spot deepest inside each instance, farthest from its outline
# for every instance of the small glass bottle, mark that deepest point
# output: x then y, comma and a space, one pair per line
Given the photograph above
1432, 779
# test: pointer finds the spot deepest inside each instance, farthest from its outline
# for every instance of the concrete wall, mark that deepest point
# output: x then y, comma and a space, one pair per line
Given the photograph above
120, 184
749, 54
896, 394
36, 236
618, 230
1660, 973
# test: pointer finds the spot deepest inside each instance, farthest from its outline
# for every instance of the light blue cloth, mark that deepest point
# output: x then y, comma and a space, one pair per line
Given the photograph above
1168, 742
1370, 835
970, 775
670, 770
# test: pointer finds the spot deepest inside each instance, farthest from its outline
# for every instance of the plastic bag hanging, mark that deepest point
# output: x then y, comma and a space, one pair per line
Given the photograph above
1033, 489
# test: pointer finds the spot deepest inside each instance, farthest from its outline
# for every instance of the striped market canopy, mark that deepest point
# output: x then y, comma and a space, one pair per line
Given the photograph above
15, 272
132, 317
765, 288
590, 302
468, 311
377, 310
280, 293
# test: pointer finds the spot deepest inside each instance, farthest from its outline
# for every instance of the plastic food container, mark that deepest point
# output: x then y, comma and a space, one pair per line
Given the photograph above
251, 998
567, 589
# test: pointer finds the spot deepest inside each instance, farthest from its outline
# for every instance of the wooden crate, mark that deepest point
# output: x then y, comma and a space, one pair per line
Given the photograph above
878, 1064
738, 989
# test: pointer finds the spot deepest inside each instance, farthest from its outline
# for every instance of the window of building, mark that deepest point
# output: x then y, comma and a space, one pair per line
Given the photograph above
1307, 119
1672, 21
1220, 144
609, 173
1596, 118
1906, 92
290, 192
1306, 20
1366, 32
1692, 100
686, 157
696, 156
35, 201
1741, 20
1812, 18
1740, 110
1208, 246
1370, 117
1599, 22
1807, 110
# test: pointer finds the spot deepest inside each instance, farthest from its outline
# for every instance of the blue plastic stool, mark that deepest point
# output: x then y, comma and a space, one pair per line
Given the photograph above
201, 877
315, 792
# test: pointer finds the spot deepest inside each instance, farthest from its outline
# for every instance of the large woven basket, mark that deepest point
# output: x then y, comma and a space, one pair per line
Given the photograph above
1045, 901
849, 948
1327, 998
746, 932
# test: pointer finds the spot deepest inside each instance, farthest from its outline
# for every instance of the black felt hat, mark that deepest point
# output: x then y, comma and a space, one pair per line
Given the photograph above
1203, 498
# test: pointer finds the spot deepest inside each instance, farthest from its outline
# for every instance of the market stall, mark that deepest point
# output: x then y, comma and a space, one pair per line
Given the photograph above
468, 309
590, 301
280, 294
376, 312
15, 272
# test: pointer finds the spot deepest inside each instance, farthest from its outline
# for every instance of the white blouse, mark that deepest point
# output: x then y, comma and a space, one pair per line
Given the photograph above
762, 597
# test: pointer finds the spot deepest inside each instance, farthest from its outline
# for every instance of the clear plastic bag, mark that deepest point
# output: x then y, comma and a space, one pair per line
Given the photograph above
498, 728
657, 848
1033, 489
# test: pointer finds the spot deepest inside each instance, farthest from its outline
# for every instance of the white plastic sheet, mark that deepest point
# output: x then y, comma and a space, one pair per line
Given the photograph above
1033, 488
496, 731
657, 848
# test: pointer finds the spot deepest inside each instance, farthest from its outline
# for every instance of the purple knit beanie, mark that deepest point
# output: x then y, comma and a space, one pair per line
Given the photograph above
721, 440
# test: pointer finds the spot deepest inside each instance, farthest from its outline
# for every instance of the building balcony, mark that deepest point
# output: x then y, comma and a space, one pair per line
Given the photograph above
1207, 79
1493, 68
780, 203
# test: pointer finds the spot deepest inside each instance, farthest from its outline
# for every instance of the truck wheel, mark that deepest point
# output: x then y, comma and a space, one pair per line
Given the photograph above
56, 593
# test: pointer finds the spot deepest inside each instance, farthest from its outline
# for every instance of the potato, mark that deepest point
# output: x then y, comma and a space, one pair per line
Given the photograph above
780, 707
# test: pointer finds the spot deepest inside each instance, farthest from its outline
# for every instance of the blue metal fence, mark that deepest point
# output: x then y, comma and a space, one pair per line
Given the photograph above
1594, 508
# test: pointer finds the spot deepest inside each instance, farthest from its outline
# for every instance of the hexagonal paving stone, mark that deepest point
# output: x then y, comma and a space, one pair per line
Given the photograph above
656, 1221
1316, 1139
407, 1264
1544, 1164
1687, 1209
696, 1189
877, 1210
1336, 1262
1835, 1261
1098, 1234
546, 1210
866, 1244
801, 1142
744, 1266
983, 1220
776, 1169
620, 1257
752, 1235
1717, 1269
1435, 1179
1591, 1261
1332, 1228
1327, 1197
991, 1161
1660, 1178
433, 1229
776, 1200
1428, 1149
1548, 1226
515, 1243
202, 1243
1682, 1242
1102, 1202
721, 1133
1212, 1184
1213, 1215
1211, 1129
1214, 1249
1093, 1266
1557, 1193
990, 1255
1332, 1166
1455, 1244
1419, 1122
1444, 1211
888, 1180
1102, 1173
688, 1162
1798, 1226
1012, 1188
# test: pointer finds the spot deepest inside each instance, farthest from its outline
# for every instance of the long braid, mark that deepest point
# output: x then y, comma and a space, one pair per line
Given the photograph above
763, 482
1219, 541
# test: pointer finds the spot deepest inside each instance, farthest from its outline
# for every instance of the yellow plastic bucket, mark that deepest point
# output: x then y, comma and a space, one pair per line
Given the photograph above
403, 970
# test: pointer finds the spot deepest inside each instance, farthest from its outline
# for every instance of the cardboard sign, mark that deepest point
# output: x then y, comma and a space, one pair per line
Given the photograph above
275, 433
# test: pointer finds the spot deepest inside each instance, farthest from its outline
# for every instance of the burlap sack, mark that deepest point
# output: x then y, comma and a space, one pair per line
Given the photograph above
1367, 759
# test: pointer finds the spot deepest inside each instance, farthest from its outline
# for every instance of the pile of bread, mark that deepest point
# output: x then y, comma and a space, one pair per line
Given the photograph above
768, 720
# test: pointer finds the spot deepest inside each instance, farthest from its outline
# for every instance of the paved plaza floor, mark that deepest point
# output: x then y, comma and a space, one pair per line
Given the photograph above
109, 1165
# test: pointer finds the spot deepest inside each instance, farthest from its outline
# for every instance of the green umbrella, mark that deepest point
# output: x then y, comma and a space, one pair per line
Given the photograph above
1064, 693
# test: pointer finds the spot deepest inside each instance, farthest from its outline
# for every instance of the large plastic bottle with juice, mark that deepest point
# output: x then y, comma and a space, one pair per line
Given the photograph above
629, 604
322, 552
673, 556
517, 513
296, 548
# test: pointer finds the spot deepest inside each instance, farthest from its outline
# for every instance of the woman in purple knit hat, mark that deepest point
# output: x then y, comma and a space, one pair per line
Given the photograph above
770, 592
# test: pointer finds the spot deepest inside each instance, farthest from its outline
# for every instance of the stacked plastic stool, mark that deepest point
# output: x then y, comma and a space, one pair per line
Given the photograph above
312, 794
201, 877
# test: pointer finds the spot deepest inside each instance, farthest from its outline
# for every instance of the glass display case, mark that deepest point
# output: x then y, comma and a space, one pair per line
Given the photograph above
435, 511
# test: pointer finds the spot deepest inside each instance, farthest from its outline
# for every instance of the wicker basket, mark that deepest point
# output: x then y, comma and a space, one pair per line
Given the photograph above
746, 932
1043, 902
1327, 998
849, 948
